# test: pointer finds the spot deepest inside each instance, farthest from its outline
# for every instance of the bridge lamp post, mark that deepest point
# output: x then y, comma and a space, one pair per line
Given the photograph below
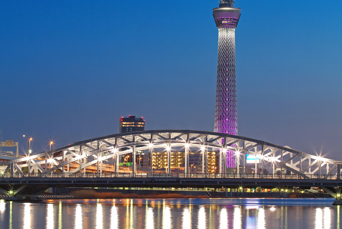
30, 140
51, 143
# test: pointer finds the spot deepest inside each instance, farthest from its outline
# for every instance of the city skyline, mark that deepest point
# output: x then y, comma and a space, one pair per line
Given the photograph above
51, 80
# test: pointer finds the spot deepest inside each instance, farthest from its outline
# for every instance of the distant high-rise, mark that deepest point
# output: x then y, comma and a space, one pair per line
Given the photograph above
226, 18
131, 124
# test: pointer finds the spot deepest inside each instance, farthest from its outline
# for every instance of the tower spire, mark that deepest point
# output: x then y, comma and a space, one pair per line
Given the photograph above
227, 3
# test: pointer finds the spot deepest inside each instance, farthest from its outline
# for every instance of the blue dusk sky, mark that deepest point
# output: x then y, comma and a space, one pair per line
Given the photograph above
70, 69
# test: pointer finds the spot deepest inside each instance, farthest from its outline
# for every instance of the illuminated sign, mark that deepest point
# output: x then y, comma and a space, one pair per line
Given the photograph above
125, 164
250, 159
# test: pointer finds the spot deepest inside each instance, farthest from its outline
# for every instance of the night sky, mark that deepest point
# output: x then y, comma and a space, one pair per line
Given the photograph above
70, 69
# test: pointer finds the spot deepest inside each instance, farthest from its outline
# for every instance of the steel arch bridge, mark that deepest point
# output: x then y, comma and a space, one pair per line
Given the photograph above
169, 152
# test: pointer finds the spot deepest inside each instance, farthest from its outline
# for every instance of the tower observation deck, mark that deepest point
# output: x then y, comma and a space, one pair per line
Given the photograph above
226, 18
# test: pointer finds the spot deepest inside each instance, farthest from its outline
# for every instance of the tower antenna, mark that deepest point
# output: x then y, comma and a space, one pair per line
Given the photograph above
227, 3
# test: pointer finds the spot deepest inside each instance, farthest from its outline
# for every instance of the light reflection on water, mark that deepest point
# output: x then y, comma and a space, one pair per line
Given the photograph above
114, 218
168, 214
223, 219
27, 216
186, 219
167, 218
78, 217
261, 219
99, 217
149, 219
237, 217
49, 216
202, 218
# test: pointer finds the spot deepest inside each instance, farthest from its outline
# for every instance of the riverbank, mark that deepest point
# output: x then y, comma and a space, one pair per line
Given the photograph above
104, 194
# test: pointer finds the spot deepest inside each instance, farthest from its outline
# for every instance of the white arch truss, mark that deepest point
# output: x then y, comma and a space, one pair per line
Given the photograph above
100, 156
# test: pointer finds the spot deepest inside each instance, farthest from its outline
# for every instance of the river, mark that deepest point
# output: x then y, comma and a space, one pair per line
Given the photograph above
171, 213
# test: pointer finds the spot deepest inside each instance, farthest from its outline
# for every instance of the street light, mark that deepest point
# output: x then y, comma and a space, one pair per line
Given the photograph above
51, 143
30, 139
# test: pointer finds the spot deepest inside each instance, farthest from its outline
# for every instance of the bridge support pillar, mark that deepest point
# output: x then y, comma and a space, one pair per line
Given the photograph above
117, 163
151, 160
134, 169
169, 160
186, 164
12, 169
237, 164
63, 161
255, 163
203, 152
29, 168
206, 163
220, 160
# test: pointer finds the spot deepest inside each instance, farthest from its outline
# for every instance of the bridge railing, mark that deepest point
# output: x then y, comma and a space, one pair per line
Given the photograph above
175, 175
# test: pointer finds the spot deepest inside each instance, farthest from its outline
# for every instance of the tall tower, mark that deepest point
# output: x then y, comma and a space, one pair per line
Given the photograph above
226, 18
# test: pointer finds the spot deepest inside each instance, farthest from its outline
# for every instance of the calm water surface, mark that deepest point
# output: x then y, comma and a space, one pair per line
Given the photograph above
172, 213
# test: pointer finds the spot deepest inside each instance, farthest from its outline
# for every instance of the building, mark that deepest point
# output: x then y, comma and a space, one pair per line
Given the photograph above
131, 124
226, 18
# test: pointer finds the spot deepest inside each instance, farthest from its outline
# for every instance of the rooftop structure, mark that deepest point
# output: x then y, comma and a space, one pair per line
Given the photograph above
131, 124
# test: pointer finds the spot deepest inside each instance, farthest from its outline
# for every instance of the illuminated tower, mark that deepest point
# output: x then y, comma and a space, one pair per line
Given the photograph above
226, 19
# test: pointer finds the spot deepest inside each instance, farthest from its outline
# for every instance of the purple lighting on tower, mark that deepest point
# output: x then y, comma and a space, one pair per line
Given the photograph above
226, 19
